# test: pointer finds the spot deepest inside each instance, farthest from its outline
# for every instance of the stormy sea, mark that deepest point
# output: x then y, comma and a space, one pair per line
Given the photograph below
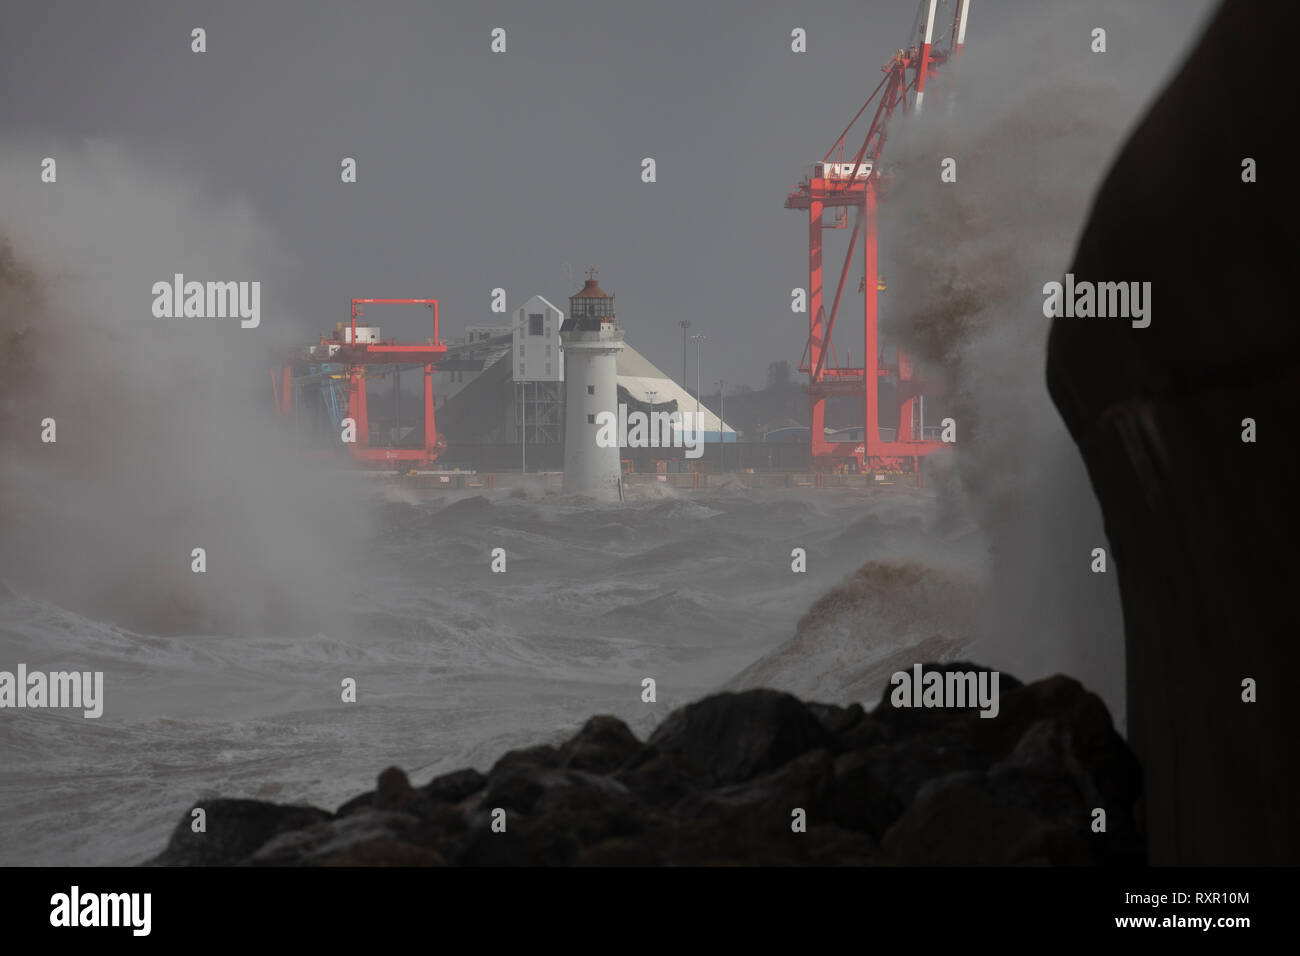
455, 664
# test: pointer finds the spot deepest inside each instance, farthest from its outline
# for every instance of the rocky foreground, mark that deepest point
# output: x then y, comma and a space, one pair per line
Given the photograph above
719, 782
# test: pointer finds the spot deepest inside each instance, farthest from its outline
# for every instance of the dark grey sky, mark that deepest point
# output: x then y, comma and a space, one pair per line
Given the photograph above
479, 170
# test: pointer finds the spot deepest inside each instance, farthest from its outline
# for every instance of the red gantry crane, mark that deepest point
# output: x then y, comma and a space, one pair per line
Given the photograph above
345, 356
838, 184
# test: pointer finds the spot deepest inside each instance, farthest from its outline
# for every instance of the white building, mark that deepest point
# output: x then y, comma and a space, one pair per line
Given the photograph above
537, 368
517, 383
592, 341
536, 356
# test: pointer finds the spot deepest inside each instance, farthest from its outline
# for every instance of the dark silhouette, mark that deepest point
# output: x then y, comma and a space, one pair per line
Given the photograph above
1202, 525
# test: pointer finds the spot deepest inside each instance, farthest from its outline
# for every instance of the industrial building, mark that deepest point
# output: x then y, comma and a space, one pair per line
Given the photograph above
492, 399
520, 401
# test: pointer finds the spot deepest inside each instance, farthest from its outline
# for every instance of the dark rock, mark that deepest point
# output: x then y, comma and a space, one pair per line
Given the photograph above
836, 719
1043, 776
1070, 746
720, 783
733, 737
902, 721
561, 811
543, 755
861, 801
514, 788
954, 821
363, 801
235, 830
455, 786
660, 778
369, 837
525, 842
1201, 525
602, 746
593, 808
1083, 715
394, 792
361, 839
925, 743
751, 823
861, 735
764, 804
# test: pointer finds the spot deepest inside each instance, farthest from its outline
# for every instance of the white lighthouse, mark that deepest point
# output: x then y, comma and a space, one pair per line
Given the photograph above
591, 341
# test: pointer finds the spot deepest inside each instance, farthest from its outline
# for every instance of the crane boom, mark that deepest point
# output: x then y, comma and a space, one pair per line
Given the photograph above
839, 183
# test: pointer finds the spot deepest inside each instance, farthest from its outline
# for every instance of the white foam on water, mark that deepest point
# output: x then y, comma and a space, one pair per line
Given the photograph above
454, 664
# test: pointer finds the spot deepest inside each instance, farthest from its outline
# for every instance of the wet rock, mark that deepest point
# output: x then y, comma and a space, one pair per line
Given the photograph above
861, 801
543, 755
660, 778
235, 829
733, 737
515, 788
560, 812
372, 838
861, 735
835, 719
454, 787
765, 804
395, 792
725, 780
363, 801
954, 821
602, 746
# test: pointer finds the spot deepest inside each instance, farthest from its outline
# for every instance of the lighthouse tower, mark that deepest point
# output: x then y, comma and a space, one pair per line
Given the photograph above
591, 341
